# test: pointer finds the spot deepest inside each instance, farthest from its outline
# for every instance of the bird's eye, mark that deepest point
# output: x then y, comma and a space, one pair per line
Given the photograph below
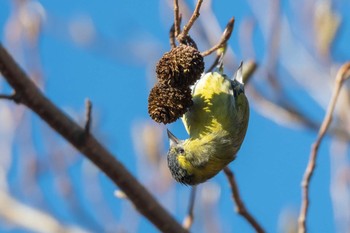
181, 151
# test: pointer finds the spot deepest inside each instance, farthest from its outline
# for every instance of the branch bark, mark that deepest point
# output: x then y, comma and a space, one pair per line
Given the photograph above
342, 75
224, 38
181, 37
87, 144
176, 18
240, 207
188, 221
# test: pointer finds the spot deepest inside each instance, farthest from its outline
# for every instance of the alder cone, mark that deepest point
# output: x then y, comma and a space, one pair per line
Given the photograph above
166, 104
180, 67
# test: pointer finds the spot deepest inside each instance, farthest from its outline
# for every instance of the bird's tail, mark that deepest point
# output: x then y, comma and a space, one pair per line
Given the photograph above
239, 74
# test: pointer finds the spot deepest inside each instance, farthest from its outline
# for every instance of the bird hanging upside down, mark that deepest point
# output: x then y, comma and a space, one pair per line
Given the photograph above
216, 123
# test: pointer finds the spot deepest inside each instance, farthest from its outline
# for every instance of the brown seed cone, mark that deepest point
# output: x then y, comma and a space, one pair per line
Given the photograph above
166, 104
180, 67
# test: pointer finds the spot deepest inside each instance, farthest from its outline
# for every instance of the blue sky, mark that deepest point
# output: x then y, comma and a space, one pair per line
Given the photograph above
270, 164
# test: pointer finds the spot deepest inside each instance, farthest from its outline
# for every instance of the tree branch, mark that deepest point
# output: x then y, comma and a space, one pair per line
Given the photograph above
177, 19
188, 221
88, 106
15, 97
342, 75
172, 32
240, 207
215, 63
31, 219
181, 37
224, 38
32, 97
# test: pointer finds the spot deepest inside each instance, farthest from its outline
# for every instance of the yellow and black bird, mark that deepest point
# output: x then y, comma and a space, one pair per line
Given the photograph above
216, 123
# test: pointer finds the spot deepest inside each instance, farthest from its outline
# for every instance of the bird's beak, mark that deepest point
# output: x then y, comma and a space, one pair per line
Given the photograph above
172, 139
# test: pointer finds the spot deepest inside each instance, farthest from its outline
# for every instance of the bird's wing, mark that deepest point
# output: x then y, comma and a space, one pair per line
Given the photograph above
210, 94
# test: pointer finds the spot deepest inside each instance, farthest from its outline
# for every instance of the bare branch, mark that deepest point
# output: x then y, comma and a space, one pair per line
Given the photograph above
32, 97
15, 97
219, 60
287, 114
188, 26
88, 106
177, 18
7, 97
342, 75
172, 33
224, 38
172, 36
29, 218
188, 221
215, 63
240, 207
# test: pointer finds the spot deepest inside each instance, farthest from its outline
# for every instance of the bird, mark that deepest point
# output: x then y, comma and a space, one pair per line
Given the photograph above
217, 123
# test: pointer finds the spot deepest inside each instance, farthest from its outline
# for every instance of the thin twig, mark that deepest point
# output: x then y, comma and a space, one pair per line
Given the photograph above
188, 221
177, 18
33, 98
286, 113
342, 75
7, 97
215, 63
88, 107
219, 60
14, 97
224, 38
240, 207
14, 212
188, 26
172, 36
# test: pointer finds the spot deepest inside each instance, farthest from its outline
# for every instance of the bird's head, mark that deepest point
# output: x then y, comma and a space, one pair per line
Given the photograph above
180, 167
